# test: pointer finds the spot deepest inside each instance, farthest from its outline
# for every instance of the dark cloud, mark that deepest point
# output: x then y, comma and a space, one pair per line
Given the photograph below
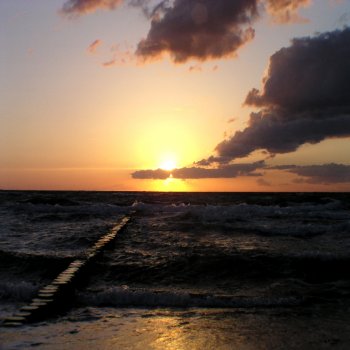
322, 174
209, 161
200, 29
151, 174
207, 29
152, 9
309, 76
226, 171
79, 7
266, 131
194, 29
282, 167
305, 98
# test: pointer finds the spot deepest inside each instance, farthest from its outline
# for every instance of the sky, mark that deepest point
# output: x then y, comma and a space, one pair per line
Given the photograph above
175, 95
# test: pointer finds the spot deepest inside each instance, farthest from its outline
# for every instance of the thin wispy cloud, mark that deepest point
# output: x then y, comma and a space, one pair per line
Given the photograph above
286, 11
92, 48
82, 7
120, 56
319, 174
194, 172
195, 68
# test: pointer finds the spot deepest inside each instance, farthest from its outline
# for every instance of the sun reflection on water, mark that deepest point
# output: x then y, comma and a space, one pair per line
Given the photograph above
170, 184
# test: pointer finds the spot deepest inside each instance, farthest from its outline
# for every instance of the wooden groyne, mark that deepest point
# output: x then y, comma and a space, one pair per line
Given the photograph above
54, 296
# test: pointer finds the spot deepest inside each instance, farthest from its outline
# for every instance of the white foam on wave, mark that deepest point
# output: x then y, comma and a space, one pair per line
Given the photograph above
20, 290
202, 213
126, 297
86, 209
219, 212
297, 219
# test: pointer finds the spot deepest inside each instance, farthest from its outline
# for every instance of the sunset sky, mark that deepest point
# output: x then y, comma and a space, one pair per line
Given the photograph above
183, 95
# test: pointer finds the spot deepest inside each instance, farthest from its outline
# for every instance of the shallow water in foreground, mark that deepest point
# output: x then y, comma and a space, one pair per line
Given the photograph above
311, 328
191, 271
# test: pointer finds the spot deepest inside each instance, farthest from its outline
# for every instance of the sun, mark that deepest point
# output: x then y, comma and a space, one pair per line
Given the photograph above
168, 164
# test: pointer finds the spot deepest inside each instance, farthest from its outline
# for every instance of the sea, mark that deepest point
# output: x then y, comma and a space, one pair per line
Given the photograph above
189, 270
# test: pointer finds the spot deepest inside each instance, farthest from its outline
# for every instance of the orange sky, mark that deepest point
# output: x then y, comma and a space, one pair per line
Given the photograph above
71, 121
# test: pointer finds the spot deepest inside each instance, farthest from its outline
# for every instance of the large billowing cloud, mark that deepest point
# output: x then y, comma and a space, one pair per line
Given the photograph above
226, 171
319, 174
305, 98
194, 29
268, 132
200, 29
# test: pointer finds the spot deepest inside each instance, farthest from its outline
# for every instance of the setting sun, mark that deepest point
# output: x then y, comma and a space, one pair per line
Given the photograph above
182, 166
168, 164
210, 110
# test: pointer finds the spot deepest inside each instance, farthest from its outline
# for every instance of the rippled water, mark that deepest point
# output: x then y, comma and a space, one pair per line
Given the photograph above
181, 250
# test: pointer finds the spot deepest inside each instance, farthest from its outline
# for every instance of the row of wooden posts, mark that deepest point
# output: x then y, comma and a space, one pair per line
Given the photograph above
54, 296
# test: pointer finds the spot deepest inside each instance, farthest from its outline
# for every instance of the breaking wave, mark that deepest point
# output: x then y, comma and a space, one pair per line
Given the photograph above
125, 297
20, 291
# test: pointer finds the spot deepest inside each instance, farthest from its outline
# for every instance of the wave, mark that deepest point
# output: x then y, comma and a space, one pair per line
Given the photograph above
51, 200
125, 297
215, 210
12, 257
297, 220
31, 266
19, 291
332, 208
211, 269
92, 209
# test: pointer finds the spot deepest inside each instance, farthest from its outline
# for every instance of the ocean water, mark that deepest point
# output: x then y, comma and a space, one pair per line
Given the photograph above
230, 270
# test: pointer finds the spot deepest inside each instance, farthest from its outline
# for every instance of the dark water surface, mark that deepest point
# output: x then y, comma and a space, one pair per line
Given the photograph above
223, 257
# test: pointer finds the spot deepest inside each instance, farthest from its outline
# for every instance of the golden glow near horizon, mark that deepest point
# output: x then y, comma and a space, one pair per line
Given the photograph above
170, 185
69, 121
